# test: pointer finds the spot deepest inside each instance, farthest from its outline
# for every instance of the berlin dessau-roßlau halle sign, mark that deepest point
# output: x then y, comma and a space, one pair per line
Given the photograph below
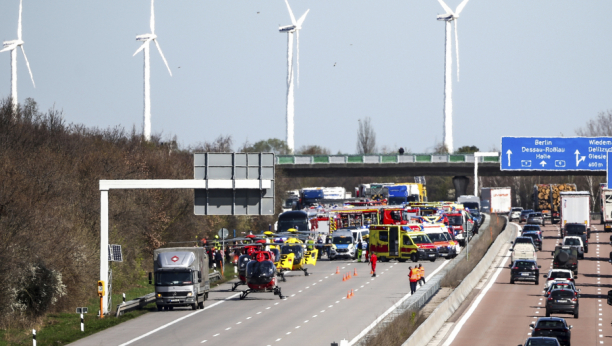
554, 153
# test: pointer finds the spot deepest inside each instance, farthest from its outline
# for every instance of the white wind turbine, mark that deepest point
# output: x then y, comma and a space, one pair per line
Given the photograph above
295, 27
147, 38
12, 46
448, 67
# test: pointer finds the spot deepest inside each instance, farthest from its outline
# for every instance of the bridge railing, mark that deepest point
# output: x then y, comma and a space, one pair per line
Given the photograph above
379, 158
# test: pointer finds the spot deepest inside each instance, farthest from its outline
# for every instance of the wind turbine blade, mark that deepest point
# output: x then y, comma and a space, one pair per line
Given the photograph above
302, 18
291, 13
162, 55
141, 47
152, 17
28, 64
19, 23
446, 8
461, 6
6, 49
457, 48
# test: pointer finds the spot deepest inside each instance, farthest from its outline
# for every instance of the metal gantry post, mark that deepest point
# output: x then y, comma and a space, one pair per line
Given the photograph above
104, 245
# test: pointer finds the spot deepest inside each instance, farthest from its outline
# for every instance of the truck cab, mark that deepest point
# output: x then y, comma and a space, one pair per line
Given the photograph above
181, 277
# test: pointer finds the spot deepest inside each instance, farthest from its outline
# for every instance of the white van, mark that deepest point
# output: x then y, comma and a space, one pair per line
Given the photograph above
523, 251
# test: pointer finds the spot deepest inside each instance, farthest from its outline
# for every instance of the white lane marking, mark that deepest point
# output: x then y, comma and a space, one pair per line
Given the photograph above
331, 306
314, 316
384, 314
278, 339
228, 328
337, 301
297, 327
322, 310
288, 333
216, 334
306, 321
326, 277
268, 308
238, 322
275, 303
293, 295
203, 341
248, 318
178, 320
467, 315
300, 291
259, 313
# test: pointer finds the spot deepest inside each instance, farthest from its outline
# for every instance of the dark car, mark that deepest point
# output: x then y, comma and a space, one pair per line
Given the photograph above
541, 341
563, 302
524, 214
565, 257
537, 238
532, 228
553, 327
579, 230
565, 285
525, 270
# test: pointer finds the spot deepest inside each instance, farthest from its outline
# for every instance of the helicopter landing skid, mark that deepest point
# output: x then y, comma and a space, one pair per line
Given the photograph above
236, 284
276, 290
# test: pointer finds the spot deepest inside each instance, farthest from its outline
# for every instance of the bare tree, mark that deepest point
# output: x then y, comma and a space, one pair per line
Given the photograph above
600, 126
366, 137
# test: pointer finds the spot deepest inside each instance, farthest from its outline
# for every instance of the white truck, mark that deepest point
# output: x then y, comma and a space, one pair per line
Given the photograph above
499, 199
606, 209
576, 208
181, 277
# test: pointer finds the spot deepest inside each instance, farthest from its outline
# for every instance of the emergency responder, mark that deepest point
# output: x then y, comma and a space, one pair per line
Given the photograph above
366, 248
373, 260
421, 275
310, 244
219, 260
319, 247
328, 240
216, 243
359, 250
413, 275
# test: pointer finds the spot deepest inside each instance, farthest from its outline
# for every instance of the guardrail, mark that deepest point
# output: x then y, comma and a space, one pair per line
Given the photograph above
380, 158
145, 300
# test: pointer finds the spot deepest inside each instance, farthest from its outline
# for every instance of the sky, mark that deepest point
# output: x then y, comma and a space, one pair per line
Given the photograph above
527, 68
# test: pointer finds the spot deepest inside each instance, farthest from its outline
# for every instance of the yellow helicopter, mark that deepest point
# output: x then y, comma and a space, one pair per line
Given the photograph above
294, 253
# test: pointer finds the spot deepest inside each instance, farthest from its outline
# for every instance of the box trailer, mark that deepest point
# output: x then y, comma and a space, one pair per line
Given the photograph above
606, 209
576, 208
499, 199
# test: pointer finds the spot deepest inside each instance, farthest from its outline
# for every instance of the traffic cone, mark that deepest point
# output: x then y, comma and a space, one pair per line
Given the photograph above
348, 295
349, 275
337, 270
355, 272
343, 277
352, 294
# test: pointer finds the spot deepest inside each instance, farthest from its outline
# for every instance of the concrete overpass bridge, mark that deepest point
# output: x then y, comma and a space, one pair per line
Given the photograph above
381, 165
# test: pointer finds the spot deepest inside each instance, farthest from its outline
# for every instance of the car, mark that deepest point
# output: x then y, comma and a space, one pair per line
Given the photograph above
536, 237
541, 341
568, 285
536, 218
532, 228
523, 248
559, 275
553, 327
515, 213
565, 257
563, 301
578, 230
575, 241
524, 214
525, 270
527, 240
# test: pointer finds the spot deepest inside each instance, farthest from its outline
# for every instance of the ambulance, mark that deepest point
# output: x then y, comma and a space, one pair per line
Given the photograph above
401, 243
441, 238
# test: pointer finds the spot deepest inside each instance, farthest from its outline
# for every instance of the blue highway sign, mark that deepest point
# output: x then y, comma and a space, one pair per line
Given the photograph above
555, 153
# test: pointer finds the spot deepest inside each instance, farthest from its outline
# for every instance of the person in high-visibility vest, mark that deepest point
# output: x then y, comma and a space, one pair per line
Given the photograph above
359, 250
413, 275
421, 275
373, 260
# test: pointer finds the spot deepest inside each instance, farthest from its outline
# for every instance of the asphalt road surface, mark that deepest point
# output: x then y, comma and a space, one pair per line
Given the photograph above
502, 315
316, 311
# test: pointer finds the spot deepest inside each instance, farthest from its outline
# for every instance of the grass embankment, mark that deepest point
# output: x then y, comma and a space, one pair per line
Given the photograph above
64, 328
399, 330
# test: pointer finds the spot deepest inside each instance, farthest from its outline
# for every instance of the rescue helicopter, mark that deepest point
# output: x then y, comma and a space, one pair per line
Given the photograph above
260, 274
293, 251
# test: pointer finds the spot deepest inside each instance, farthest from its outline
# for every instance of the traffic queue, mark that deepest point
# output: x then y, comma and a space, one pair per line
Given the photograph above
562, 297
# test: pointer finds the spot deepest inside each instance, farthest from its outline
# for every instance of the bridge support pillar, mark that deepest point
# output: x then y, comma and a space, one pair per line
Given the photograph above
460, 183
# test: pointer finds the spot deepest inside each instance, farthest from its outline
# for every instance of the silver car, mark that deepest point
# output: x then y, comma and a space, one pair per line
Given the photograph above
515, 213
535, 219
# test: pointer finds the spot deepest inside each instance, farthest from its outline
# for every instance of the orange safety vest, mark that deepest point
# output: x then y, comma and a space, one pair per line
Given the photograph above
414, 275
422, 272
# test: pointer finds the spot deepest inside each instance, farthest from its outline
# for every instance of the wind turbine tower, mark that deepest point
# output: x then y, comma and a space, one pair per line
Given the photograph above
12, 46
146, 39
295, 27
448, 69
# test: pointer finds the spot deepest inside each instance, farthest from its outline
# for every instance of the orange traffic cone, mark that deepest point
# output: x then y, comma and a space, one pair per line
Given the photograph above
343, 277
348, 295
349, 275
352, 294
355, 272
337, 270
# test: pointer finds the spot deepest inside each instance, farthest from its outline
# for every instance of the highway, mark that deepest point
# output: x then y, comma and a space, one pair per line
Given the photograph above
500, 313
316, 311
